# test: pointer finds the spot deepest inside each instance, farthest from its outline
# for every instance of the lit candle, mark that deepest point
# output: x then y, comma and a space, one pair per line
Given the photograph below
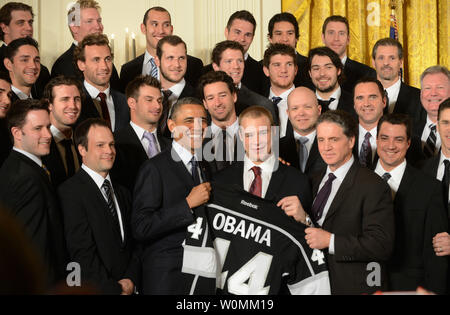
133, 51
127, 45
112, 44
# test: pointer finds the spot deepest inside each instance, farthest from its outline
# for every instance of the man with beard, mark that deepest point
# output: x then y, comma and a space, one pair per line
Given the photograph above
5, 103
325, 69
93, 57
171, 60
64, 97
387, 59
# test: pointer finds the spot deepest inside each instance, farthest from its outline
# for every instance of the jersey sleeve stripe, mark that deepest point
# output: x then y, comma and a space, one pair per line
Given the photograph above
318, 284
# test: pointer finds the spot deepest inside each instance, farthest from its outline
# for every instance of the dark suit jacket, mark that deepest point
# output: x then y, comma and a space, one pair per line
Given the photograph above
130, 155
25, 190
5, 141
362, 219
420, 214
247, 98
65, 65
93, 239
408, 101
122, 111
353, 71
160, 217
289, 153
133, 68
285, 181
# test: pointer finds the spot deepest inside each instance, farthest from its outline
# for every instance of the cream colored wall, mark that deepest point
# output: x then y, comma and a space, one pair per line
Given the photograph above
200, 23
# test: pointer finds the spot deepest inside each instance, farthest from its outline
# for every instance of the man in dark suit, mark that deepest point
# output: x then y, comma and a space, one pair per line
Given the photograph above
419, 211
25, 188
167, 188
352, 210
336, 35
97, 215
5, 104
83, 19
64, 97
93, 56
300, 149
171, 60
228, 56
325, 69
23, 63
260, 172
221, 145
16, 21
387, 59
241, 27
156, 25
435, 88
140, 139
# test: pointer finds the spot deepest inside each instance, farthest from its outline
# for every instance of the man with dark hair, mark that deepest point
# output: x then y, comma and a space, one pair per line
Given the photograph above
16, 21
283, 29
93, 57
387, 59
23, 63
167, 188
97, 215
241, 28
228, 56
156, 25
419, 211
25, 188
171, 59
64, 96
280, 67
336, 35
354, 222
5, 103
83, 18
140, 139
325, 69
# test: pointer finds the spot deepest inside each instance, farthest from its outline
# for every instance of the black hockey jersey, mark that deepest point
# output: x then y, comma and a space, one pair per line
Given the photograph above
244, 245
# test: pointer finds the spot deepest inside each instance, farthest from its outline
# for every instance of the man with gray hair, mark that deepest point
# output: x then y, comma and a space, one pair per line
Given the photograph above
435, 88
83, 19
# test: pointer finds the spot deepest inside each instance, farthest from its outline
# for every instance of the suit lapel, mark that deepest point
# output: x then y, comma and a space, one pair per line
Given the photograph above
275, 183
405, 184
313, 155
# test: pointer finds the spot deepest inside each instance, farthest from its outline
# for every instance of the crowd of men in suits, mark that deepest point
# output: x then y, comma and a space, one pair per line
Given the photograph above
105, 171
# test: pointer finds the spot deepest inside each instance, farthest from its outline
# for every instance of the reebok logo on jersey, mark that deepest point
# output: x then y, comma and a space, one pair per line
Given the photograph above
245, 229
248, 204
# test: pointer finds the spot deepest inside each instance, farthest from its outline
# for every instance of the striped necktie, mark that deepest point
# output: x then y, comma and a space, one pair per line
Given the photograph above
430, 146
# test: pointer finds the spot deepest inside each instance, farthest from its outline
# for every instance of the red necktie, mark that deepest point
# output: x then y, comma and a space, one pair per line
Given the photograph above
256, 186
104, 107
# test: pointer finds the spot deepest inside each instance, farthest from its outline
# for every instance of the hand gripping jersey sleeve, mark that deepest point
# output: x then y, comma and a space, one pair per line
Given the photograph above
244, 245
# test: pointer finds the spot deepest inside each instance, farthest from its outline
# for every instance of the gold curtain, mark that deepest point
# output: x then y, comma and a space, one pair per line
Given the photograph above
424, 29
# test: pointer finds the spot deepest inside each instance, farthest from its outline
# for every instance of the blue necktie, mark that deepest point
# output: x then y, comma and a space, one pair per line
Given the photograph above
154, 70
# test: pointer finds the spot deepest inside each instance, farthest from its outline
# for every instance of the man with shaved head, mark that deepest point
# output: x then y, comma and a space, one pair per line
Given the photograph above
299, 148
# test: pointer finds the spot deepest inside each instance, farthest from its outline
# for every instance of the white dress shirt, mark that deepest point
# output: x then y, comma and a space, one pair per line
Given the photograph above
396, 176
392, 93
344, 60
336, 95
176, 90
426, 133
311, 137
372, 140
267, 168
340, 174
58, 136
147, 66
99, 180
441, 169
21, 95
282, 109
33, 157
140, 134
185, 157
93, 93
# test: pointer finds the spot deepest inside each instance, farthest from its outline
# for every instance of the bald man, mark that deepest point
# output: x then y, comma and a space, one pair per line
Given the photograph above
300, 147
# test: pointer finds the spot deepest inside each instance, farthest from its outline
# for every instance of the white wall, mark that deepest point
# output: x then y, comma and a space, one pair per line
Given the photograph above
200, 23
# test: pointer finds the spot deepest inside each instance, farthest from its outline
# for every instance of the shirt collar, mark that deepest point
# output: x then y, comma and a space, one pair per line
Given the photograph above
21, 95
336, 95
246, 56
33, 157
231, 130
182, 152
266, 167
93, 91
396, 173
284, 95
311, 136
140, 131
442, 158
96, 177
342, 171
58, 136
429, 122
363, 131
178, 88
147, 57
344, 60
393, 90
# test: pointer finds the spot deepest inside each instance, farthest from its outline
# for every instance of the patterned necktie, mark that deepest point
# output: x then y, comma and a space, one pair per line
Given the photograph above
365, 155
104, 107
154, 69
70, 163
152, 147
386, 177
446, 180
322, 198
325, 104
47, 172
256, 186
430, 146
276, 100
165, 111
107, 188
194, 171
302, 153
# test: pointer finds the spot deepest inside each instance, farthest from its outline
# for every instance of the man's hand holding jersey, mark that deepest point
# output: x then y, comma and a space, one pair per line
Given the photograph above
292, 206
199, 195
